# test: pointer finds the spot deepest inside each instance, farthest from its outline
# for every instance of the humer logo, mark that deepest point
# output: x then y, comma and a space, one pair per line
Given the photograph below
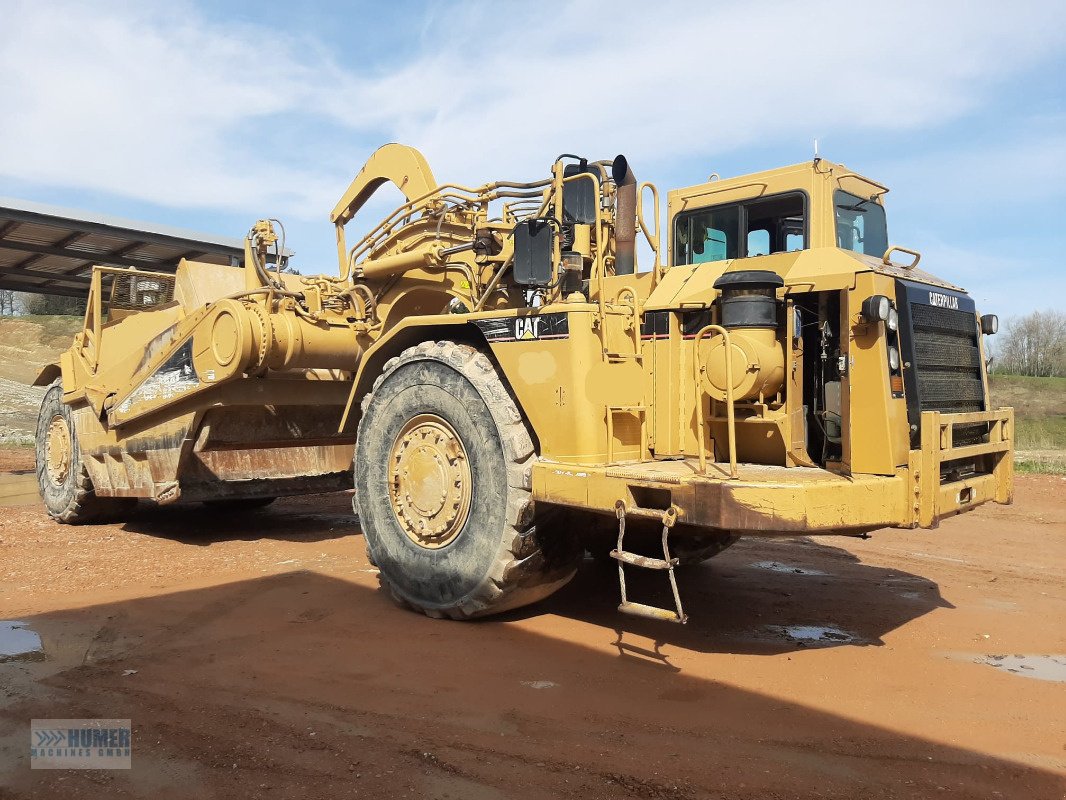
943, 300
80, 744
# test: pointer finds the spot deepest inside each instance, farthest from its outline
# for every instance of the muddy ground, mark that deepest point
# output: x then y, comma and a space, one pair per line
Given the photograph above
257, 657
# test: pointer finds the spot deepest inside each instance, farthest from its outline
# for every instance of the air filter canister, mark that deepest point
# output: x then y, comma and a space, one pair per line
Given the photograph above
749, 298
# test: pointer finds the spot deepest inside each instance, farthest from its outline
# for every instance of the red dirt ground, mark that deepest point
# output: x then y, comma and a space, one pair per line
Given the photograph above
268, 664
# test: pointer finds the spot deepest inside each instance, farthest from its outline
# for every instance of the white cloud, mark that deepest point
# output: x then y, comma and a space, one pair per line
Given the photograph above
509, 88
1028, 167
151, 104
155, 103
987, 214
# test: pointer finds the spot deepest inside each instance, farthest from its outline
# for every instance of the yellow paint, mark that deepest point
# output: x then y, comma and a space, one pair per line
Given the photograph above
536, 367
621, 410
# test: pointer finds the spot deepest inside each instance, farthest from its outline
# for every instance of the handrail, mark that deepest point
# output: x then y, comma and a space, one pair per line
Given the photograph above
653, 239
597, 262
886, 259
730, 422
635, 321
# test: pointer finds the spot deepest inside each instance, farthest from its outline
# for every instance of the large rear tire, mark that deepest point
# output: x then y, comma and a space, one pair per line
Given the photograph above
443, 477
64, 482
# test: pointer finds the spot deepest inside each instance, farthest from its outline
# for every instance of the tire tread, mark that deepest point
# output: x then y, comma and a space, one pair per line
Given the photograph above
514, 579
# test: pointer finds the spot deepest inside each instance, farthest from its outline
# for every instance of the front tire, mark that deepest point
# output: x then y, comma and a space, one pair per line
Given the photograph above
443, 478
64, 482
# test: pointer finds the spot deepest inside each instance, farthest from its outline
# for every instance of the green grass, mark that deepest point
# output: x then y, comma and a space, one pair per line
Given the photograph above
1039, 420
1031, 397
1040, 433
1029, 382
1040, 466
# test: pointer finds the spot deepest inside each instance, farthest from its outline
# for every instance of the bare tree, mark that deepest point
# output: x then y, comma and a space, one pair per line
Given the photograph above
7, 302
48, 305
1034, 345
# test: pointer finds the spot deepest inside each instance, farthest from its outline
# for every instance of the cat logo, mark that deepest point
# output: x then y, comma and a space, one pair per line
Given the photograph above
527, 328
943, 300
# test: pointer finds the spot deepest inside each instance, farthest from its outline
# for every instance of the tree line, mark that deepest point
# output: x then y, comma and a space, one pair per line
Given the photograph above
12, 302
1032, 345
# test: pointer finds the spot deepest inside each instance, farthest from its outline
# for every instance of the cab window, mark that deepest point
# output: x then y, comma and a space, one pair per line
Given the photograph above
712, 235
861, 225
741, 230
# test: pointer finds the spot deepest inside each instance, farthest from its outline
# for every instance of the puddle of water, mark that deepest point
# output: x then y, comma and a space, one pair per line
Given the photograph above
540, 684
814, 635
903, 579
1044, 668
1000, 605
18, 642
940, 558
777, 566
18, 489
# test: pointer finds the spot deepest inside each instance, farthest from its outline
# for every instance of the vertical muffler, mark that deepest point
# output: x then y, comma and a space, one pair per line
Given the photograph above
625, 217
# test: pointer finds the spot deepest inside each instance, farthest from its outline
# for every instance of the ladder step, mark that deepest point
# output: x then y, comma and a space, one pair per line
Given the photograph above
652, 612
643, 561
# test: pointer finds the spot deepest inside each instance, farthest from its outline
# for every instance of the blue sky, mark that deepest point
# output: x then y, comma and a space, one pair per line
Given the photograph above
209, 116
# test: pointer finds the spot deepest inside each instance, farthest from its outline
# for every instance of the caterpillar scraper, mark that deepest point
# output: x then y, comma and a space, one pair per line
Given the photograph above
506, 387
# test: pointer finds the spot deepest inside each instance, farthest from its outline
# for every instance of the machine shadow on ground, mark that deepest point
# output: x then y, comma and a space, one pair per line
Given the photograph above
762, 596
312, 518
312, 685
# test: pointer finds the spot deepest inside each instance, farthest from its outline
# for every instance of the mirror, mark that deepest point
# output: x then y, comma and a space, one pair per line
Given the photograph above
579, 195
534, 249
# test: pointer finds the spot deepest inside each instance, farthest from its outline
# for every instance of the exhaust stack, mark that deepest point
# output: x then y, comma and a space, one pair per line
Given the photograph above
625, 214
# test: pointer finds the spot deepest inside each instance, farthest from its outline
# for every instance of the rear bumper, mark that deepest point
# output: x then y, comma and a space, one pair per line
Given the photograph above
766, 500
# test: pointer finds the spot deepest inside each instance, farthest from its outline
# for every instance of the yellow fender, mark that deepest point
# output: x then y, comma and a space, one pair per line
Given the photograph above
404, 334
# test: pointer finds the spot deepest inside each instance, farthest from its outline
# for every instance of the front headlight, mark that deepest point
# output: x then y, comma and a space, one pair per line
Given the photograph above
893, 358
875, 308
892, 323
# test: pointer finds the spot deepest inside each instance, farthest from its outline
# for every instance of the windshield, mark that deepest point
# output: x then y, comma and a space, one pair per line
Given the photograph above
861, 225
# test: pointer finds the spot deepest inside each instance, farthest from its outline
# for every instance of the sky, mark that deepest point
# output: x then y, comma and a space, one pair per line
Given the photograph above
209, 116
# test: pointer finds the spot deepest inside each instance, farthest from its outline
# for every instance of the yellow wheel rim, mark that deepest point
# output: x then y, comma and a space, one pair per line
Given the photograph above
57, 450
429, 481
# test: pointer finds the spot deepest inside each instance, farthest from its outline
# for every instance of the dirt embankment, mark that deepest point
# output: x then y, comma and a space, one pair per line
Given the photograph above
27, 344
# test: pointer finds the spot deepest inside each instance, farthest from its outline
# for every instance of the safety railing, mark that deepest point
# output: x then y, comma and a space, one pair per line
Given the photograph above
651, 236
698, 369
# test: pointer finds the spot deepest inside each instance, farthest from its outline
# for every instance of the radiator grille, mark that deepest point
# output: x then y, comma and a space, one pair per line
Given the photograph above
947, 361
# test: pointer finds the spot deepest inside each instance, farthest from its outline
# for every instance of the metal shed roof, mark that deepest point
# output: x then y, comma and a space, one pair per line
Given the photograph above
51, 250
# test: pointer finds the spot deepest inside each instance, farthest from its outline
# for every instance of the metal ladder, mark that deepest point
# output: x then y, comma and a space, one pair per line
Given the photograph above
668, 518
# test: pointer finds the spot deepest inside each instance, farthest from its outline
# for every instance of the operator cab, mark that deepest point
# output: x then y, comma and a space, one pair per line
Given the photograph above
804, 206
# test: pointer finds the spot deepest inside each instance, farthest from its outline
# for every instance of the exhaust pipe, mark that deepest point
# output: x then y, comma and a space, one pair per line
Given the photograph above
625, 217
